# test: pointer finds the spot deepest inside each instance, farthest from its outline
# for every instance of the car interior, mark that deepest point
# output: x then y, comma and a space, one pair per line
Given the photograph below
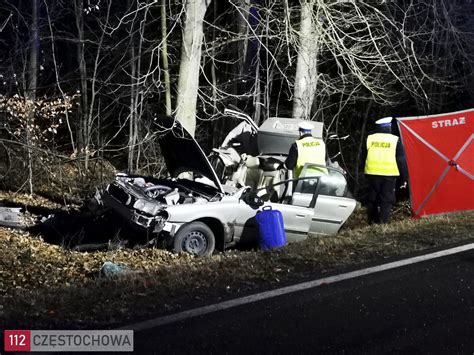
279, 186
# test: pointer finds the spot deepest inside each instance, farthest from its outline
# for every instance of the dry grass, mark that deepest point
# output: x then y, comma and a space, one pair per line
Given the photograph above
64, 181
32, 201
45, 286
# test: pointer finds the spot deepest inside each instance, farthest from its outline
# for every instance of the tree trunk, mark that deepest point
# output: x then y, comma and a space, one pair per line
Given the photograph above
243, 33
89, 119
139, 93
189, 69
213, 68
32, 86
82, 109
306, 66
58, 82
132, 120
33, 64
164, 57
136, 97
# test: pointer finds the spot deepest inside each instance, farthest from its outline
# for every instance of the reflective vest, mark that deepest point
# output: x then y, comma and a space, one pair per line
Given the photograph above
381, 155
310, 150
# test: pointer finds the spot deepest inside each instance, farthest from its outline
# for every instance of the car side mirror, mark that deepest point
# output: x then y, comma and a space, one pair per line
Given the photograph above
252, 199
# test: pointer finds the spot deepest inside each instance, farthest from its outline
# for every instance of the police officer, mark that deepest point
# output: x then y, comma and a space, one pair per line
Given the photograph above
307, 149
385, 162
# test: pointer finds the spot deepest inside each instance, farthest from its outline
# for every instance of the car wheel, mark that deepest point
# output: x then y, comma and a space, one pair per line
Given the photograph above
195, 238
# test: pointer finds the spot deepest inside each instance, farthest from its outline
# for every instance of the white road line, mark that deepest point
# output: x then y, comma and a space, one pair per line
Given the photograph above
196, 312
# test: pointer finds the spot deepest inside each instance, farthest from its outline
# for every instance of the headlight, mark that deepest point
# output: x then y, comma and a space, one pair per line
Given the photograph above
146, 207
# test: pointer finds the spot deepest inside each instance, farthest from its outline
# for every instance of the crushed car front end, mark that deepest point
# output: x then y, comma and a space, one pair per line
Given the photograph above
134, 206
143, 201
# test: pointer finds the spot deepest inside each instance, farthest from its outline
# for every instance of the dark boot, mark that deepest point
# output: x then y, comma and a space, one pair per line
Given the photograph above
373, 214
385, 210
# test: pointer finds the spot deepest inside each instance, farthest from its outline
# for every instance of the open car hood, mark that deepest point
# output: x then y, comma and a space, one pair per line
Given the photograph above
182, 153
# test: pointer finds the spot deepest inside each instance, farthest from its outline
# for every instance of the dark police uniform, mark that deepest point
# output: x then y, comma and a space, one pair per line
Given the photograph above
385, 162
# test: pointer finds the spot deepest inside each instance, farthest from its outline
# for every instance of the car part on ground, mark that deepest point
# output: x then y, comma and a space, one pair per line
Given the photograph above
16, 217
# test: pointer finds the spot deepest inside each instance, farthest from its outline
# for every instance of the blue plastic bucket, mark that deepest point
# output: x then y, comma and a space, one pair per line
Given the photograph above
271, 228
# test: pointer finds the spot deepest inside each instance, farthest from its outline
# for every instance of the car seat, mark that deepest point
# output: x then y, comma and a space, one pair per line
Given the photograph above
271, 173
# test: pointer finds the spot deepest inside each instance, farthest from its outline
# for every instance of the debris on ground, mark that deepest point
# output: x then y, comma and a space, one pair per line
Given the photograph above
10, 217
15, 217
29, 263
110, 269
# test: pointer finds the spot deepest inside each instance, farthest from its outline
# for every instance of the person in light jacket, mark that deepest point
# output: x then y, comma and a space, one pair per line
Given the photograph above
385, 162
307, 149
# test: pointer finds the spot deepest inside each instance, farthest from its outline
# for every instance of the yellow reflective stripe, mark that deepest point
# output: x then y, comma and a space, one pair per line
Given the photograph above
382, 169
381, 155
310, 150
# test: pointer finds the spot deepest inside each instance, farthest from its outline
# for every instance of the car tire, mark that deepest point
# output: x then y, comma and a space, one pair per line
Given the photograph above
195, 238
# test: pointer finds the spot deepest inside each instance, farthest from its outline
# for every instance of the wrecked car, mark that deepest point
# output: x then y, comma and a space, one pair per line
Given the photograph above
205, 206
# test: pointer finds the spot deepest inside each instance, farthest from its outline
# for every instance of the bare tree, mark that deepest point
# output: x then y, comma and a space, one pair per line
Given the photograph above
362, 53
32, 87
189, 70
441, 33
306, 67
339, 62
164, 55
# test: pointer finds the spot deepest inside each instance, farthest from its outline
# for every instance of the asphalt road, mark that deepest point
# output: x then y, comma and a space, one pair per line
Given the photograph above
423, 308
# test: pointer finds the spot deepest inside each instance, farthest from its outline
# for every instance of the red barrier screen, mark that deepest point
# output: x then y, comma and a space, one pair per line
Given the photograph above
440, 157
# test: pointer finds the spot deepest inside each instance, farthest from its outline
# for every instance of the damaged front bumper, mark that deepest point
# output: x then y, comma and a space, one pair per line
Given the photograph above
154, 224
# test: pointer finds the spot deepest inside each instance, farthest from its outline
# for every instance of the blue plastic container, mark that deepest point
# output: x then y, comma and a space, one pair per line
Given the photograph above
271, 228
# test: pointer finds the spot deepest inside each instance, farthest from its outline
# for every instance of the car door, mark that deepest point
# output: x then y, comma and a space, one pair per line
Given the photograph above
332, 206
296, 219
